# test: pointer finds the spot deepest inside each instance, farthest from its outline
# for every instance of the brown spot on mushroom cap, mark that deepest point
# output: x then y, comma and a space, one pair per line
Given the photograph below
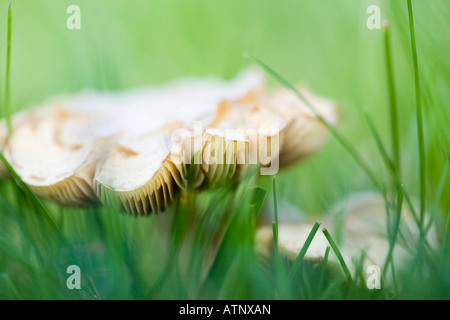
257, 124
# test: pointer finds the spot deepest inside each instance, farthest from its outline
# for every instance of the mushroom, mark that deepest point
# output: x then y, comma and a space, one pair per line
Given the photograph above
53, 154
291, 238
305, 132
140, 175
360, 222
241, 133
133, 149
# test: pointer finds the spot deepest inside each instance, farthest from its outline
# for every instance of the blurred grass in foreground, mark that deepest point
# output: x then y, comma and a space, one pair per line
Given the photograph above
324, 44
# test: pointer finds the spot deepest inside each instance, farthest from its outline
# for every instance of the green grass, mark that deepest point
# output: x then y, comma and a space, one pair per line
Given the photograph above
203, 246
7, 92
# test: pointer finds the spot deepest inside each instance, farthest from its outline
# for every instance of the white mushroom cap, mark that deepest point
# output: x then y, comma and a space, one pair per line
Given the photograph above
240, 134
52, 152
305, 133
146, 167
362, 228
291, 239
140, 175
127, 140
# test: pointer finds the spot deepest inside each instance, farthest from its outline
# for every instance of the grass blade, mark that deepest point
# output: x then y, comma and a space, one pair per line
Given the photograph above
301, 255
324, 268
419, 116
381, 148
342, 140
393, 109
439, 192
7, 98
240, 234
393, 237
275, 203
30, 195
338, 254
276, 253
445, 251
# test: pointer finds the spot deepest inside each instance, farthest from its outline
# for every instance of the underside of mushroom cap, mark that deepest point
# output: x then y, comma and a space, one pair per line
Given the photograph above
215, 159
241, 134
141, 176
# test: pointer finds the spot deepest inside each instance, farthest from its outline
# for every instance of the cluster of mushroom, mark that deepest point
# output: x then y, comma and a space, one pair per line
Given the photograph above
134, 149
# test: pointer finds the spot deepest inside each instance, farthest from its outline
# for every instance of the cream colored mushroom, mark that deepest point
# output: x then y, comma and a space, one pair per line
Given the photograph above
305, 133
240, 134
148, 164
141, 175
360, 222
290, 241
125, 141
53, 153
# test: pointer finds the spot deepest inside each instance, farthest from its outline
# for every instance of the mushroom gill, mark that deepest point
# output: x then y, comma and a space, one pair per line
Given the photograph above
140, 175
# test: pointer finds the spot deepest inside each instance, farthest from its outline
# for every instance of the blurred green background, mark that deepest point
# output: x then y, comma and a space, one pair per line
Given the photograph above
324, 44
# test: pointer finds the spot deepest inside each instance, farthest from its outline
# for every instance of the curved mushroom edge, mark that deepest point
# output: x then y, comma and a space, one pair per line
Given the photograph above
152, 197
74, 191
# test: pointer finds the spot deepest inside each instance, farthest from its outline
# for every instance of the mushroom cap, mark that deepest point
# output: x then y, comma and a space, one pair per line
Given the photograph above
147, 165
140, 175
220, 158
240, 134
305, 133
121, 148
291, 239
52, 152
360, 220
364, 227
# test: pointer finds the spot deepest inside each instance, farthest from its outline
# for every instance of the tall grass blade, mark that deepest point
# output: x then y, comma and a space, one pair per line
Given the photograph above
338, 255
7, 98
338, 136
419, 117
301, 255
237, 242
37, 204
393, 108
381, 148
393, 235
444, 266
